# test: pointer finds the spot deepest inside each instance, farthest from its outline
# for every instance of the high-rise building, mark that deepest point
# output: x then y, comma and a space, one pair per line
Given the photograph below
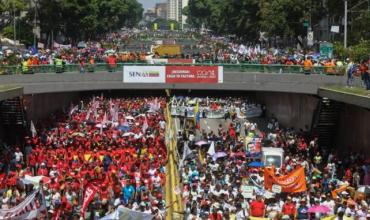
174, 10
161, 10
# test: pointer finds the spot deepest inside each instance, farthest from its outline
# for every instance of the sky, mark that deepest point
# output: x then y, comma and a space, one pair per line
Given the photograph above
149, 3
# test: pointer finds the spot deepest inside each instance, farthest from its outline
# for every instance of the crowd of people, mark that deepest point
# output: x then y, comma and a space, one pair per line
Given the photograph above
119, 145
225, 182
117, 142
203, 49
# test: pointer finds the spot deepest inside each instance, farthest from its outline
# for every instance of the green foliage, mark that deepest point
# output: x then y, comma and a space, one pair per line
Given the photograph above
88, 19
356, 52
225, 16
23, 32
339, 51
284, 18
360, 51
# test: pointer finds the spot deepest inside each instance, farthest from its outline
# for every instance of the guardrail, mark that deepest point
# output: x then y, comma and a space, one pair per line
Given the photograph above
102, 67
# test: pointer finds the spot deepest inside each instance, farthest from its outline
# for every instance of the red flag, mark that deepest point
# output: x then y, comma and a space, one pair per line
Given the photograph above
57, 213
90, 189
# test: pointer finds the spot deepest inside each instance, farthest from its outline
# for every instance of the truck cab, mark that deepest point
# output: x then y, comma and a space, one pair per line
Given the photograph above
272, 156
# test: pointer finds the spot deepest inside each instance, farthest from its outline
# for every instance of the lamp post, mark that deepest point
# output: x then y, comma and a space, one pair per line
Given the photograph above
345, 22
14, 27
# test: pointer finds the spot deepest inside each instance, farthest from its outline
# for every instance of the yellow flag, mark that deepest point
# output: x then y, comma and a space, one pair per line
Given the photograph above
196, 110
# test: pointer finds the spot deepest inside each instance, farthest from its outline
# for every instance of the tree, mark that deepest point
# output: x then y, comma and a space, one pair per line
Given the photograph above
9, 8
87, 19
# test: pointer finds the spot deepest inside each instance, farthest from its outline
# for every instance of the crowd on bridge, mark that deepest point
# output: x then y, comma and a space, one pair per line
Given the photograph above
224, 177
112, 147
206, 49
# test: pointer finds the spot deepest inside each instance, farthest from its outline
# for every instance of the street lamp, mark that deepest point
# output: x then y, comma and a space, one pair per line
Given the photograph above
346, 16
345, 22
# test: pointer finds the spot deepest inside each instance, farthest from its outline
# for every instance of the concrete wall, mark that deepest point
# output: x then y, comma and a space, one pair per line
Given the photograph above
292, 110
39, 106
354, 129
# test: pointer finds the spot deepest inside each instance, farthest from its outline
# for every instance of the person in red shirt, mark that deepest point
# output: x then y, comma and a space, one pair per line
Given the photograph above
257, 207
289, 208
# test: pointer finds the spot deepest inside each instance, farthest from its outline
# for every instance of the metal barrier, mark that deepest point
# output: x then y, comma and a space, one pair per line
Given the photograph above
248, 68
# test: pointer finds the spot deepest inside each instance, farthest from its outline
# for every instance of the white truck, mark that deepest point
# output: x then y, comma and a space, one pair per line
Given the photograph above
272, 156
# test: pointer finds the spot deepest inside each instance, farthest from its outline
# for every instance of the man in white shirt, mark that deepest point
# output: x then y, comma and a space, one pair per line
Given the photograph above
18, 155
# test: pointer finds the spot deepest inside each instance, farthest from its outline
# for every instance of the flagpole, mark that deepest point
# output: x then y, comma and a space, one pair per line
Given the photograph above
41, 185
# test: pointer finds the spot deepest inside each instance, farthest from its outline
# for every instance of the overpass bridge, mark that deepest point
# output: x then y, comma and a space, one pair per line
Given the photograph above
235, 77
242, 77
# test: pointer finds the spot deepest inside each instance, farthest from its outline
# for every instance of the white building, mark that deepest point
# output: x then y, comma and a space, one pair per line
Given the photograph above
174, 10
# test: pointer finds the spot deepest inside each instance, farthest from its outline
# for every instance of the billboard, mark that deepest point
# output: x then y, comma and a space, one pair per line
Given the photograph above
194, 74
144, 74
173, 74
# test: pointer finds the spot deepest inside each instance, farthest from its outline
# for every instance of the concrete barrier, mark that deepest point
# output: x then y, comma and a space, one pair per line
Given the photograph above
241, 81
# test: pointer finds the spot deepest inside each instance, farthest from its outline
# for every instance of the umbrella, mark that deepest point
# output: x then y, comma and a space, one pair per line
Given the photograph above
364, 189
128, 134
100, 125
35, 180
319, 209
200, 143
78, 134
238, 154
130, 117
219, 155
255, 164
124, 128
81, 44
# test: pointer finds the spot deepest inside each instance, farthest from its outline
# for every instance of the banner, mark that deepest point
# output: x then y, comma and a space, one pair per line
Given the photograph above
294, 182
126, 214
194, 74
90, 190
144, 74
28, 209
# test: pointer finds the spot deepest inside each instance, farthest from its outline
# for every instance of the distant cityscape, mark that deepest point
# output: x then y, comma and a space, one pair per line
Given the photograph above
169, 10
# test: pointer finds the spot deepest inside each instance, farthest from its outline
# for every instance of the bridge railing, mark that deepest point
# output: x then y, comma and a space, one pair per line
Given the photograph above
103, 67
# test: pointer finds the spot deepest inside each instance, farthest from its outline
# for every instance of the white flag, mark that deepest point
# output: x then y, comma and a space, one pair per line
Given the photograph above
73, 110
186, 151
211, 151
145, 126
33, 129
88, 115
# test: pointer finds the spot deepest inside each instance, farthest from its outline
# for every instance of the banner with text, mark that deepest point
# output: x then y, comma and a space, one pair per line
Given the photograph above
144, 74
294, 182
194, 74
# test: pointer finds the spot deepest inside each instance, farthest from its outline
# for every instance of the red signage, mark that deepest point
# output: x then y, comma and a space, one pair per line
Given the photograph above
194, 74
181, 61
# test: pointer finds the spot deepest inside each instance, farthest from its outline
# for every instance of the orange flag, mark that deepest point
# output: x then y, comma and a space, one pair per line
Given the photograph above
342, 188
294, 182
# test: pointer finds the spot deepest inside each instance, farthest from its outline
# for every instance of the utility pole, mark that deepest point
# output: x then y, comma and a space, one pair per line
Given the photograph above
14, 27
35, 25
345, 22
